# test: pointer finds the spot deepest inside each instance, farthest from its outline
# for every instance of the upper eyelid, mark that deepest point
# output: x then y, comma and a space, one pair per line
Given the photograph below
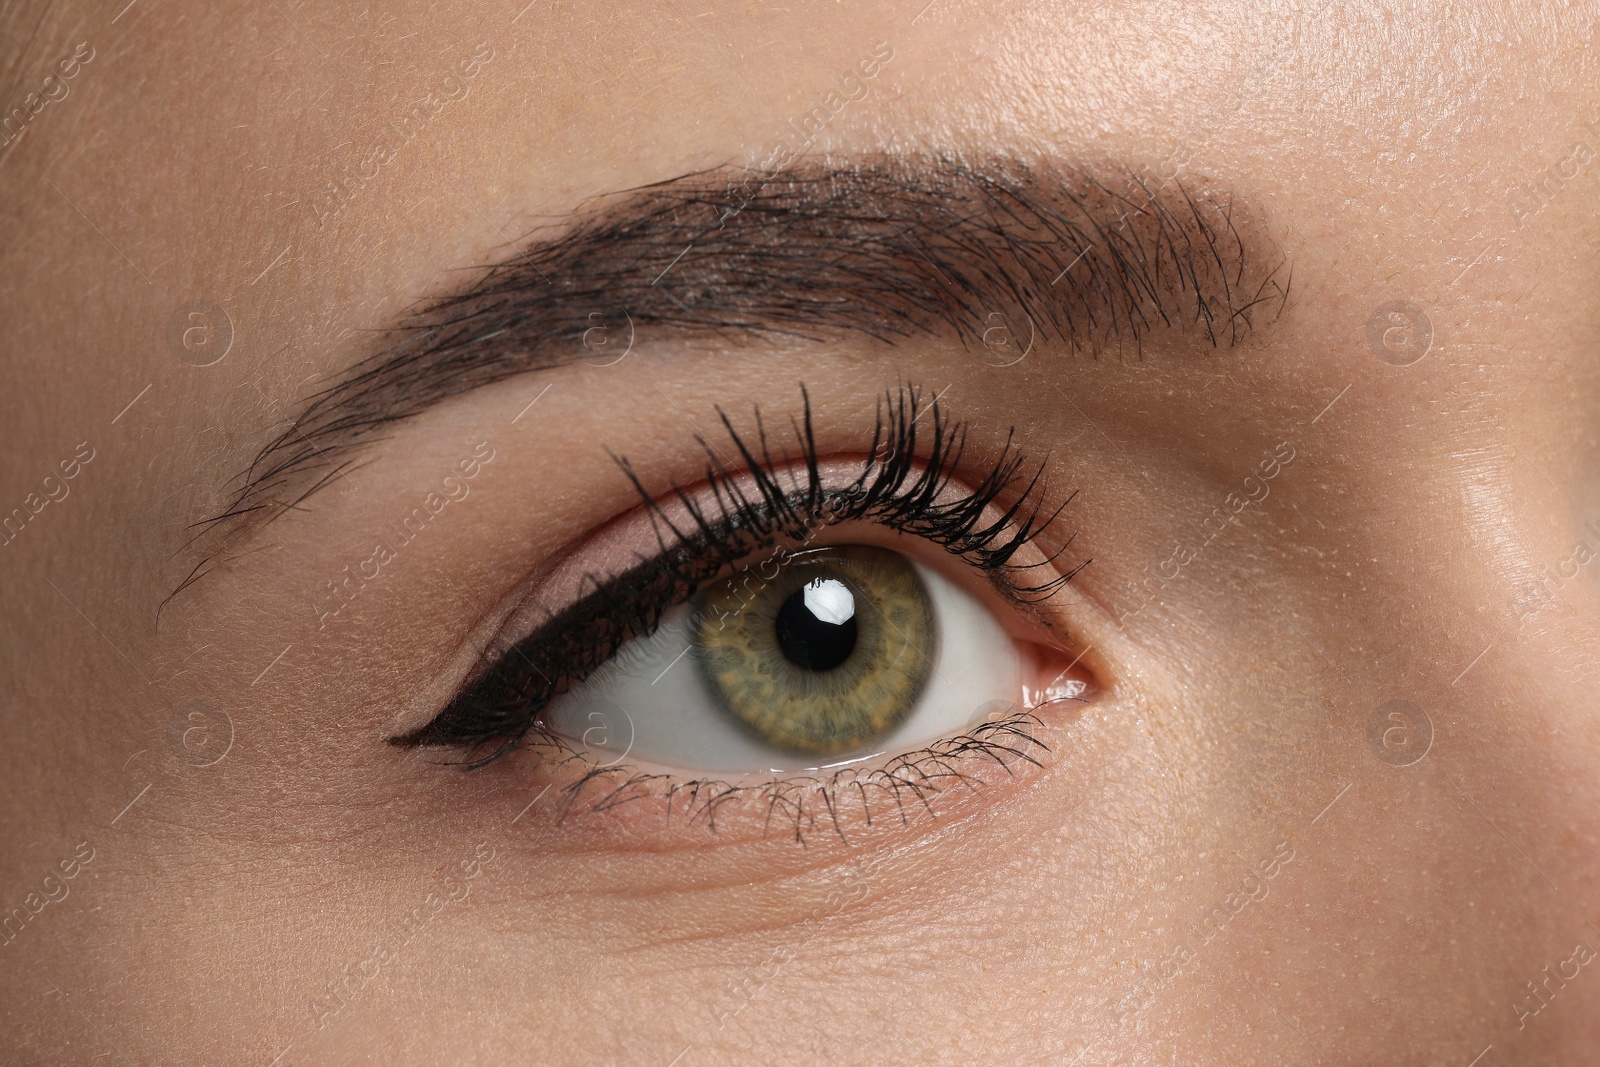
814, 493
903, 410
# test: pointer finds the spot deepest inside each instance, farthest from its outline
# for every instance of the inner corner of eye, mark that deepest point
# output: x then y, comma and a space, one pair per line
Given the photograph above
806, 659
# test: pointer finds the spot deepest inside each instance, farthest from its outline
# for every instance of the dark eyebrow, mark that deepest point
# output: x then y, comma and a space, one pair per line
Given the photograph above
886, 249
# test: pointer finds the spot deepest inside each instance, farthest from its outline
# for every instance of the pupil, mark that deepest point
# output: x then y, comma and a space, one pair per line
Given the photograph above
817, 625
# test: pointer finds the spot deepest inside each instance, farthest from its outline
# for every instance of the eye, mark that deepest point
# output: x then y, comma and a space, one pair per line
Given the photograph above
828, 657
805, 660
791, 624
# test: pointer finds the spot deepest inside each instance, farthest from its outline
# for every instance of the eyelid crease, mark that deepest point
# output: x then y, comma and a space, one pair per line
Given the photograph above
751, 511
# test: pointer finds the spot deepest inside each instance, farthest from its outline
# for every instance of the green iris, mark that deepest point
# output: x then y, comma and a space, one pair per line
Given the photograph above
827, 655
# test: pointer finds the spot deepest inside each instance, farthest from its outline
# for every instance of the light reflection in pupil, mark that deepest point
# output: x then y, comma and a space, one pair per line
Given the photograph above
817, 625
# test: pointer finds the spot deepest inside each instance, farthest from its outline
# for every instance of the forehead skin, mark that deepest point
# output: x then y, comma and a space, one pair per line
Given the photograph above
1428, 542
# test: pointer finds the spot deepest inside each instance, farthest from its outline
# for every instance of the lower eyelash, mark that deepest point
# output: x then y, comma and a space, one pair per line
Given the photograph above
751, 508
804, 804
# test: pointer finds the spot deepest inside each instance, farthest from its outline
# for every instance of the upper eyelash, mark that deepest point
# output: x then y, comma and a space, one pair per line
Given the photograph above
749, 509
878, 493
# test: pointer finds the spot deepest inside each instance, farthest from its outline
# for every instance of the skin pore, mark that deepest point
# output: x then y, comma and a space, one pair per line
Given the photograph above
1331, 800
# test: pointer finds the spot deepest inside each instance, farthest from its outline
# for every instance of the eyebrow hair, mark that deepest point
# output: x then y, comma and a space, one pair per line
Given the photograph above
885, 249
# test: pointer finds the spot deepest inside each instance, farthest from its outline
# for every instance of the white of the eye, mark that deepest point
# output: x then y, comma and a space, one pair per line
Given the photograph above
830, 600
649, 702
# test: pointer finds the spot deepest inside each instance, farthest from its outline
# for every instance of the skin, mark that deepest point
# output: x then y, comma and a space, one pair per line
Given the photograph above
1392, 558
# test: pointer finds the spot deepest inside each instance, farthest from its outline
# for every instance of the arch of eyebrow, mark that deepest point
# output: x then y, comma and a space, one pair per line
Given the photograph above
886, 249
